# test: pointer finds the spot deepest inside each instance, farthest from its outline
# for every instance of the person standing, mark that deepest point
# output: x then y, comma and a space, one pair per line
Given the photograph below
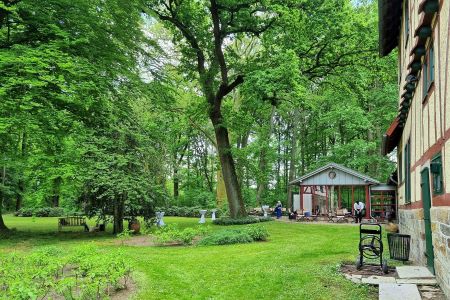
359, 207
278, 209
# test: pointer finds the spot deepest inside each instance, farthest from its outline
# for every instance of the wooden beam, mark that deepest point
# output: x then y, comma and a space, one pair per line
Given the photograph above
367, 202
353, 199
301, 197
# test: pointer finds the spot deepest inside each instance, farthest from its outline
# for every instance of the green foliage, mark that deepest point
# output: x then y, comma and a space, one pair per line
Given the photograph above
193, 212
85, 274
236, 236
257, 233
226, 221
172, 234
43, 212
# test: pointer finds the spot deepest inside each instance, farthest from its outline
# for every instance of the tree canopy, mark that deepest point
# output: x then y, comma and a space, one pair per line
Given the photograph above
114, 108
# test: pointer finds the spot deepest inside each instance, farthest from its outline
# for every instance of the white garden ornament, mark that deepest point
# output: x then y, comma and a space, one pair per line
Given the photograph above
159, 219
213, 214
265, 209
202, 218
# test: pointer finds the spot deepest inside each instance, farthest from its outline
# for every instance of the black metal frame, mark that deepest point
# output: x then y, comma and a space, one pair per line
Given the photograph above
374, 249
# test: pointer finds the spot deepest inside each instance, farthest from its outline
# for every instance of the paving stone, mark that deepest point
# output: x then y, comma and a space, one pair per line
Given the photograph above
419, 281
430, 288
414, 272
375, 280
393, 291
357, 276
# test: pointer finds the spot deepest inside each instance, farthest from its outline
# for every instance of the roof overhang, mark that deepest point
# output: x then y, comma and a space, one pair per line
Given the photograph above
392, 137
390, 15
301, 181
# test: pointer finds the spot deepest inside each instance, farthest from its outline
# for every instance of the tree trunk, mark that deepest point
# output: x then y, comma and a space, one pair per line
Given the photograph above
21, 182
176, 183
118, 216
2, 223
56, 191
263, 182
234, 196
293, 157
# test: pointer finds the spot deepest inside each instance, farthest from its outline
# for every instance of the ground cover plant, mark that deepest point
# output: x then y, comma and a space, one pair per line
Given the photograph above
243, 235
298, 261
46, 273
241, 221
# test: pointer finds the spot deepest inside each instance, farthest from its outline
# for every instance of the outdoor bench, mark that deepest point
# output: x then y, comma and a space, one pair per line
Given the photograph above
72, 222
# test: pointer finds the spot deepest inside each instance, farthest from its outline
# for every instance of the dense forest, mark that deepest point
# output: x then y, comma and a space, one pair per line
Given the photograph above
116, 107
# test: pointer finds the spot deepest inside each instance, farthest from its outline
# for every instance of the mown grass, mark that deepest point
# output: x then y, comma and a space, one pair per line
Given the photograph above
299, 261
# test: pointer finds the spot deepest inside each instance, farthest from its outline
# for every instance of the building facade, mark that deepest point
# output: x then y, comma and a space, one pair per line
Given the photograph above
420, 30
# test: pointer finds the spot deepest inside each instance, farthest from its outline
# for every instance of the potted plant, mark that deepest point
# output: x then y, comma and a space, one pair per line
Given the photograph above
134, 225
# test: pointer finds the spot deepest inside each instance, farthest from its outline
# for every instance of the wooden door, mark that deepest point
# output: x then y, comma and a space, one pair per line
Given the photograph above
426, 198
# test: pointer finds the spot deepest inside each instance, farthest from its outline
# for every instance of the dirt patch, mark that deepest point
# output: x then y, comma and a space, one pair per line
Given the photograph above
367, 270
139, 241
125, 294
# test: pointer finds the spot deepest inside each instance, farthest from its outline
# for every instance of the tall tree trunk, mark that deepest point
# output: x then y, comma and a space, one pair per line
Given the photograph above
2, 223
234, 196
176, 182
118, 216
293, 157
263, 182
56, 191
21, 182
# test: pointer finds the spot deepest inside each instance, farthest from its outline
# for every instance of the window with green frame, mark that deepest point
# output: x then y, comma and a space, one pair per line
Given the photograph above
428, 71
407, 157
436, 173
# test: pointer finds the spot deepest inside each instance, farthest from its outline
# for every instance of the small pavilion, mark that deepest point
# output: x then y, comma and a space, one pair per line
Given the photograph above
334, 186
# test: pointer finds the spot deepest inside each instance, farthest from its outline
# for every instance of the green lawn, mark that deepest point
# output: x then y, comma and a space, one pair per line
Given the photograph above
299, 261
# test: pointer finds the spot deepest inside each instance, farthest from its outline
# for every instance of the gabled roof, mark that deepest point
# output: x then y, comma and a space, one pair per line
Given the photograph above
389, 17
330, 166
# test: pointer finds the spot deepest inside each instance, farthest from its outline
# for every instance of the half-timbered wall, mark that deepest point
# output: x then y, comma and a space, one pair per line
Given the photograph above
428, 129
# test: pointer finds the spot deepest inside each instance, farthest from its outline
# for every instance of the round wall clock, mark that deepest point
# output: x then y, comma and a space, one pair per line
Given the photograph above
332, 174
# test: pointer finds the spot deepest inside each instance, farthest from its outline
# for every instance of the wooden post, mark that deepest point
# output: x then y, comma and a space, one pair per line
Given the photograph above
339, 198
301, 197
367, 202
326, 198
353, 200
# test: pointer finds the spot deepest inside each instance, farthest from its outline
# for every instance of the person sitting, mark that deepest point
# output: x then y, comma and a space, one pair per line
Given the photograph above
359, 207
293, 215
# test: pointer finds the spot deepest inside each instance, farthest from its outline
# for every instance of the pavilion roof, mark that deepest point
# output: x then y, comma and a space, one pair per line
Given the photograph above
368, 180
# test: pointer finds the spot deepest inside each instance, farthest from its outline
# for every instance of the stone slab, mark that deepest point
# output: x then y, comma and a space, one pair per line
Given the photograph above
393, 291
376, 280
418, 281
414, 272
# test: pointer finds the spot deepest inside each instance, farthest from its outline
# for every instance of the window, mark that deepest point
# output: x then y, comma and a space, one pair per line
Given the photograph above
431, 62
428, 71
408, 172
406, 22
436, 173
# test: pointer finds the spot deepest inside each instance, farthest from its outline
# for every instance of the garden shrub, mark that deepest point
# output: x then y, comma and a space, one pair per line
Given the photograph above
226, 237
171, 234
48, 273
258, 233
246, 234
24, 212
183, 211
40, 212
240, 221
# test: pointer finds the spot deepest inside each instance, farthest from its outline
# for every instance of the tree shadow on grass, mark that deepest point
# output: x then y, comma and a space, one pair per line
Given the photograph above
13, 237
